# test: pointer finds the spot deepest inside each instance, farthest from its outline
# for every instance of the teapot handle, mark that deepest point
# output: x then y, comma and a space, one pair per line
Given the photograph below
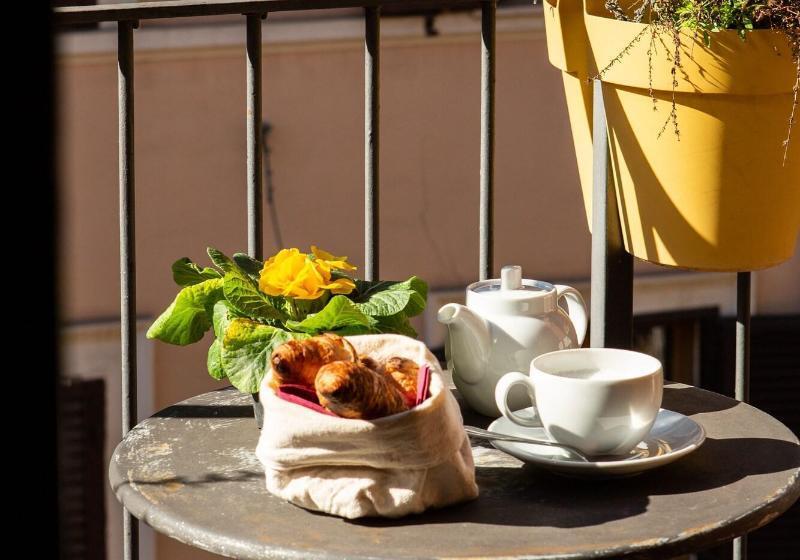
576, 310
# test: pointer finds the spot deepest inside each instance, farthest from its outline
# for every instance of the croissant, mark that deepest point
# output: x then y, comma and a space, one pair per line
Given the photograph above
353, 390
404, 372
298, 361
370, 363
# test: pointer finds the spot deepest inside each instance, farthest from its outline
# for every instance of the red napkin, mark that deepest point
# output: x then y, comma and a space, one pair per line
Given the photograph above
304, 396
307, 397
423, 383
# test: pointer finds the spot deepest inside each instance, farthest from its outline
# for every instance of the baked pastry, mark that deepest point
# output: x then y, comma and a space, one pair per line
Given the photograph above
370, 362
354, 390
298, 361
404, 372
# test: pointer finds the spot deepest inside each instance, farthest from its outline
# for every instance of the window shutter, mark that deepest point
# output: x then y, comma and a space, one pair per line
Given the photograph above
81, 469
775, 389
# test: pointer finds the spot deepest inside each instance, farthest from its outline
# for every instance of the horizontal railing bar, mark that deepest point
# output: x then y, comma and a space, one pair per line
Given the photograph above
134, 11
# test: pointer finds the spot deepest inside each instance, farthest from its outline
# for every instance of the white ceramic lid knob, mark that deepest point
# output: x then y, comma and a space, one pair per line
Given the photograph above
511, 277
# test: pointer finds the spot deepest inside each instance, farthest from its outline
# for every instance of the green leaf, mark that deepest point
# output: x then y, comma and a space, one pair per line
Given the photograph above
365, 287
250, 265
188, 317
354, 330
416, 304
383, 299
397, 324
385, 303
214, 360
246, 350
221, 317
339, 313
221, 260
186, 273
245, 297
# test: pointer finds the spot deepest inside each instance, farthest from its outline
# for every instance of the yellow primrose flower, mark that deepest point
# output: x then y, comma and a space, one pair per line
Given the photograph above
341, 286
291, 273
331, 260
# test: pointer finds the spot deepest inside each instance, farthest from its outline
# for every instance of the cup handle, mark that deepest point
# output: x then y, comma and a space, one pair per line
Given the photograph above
576, 307
501, 390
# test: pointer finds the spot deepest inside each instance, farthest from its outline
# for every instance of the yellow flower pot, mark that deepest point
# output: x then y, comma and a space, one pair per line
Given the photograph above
716, 197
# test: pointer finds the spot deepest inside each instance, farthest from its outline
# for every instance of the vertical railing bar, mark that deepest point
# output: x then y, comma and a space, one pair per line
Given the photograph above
740, 548
486, 205
127, 262
742, 383
255, 191
742, 380
612, 266
372, 67
255, 185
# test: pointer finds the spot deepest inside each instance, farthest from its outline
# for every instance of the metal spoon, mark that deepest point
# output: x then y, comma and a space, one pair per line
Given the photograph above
486, 434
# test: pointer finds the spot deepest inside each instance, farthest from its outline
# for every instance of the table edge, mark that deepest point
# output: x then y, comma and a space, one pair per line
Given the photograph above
709, 535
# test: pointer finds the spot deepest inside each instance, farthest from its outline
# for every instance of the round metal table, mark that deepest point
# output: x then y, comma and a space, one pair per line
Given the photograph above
190, 472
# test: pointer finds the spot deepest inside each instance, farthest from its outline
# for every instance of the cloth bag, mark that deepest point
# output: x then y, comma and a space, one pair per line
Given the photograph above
391, 466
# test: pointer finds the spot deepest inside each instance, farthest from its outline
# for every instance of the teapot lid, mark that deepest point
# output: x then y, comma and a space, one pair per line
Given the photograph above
512, 293
511, 277
511, 285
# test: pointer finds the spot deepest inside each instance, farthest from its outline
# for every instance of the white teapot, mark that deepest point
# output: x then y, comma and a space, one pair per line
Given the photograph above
506, 323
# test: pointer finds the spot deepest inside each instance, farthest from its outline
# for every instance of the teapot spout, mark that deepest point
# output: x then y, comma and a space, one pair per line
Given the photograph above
469, 342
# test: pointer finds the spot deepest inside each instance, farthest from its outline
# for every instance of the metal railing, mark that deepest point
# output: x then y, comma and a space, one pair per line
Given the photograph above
612, 266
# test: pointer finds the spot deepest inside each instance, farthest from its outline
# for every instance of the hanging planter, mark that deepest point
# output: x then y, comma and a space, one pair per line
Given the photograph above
705, 187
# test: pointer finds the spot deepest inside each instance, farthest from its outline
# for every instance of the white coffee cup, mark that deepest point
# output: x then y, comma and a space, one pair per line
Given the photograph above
602, 401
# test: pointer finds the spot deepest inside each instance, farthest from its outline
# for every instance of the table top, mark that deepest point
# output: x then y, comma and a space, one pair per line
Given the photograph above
190, 472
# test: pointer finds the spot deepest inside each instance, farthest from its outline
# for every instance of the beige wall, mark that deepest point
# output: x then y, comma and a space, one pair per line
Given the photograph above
190, 166
190, 169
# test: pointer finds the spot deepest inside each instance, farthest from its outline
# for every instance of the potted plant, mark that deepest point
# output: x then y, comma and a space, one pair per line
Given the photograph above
700, 97
254, 306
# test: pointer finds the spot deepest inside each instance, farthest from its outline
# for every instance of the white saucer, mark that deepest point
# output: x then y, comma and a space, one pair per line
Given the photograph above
673, 436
